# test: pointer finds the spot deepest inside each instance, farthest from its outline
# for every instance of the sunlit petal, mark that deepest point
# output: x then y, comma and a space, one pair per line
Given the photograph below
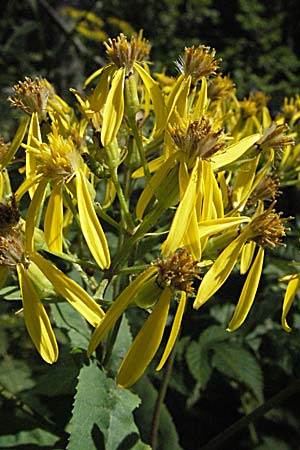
174, 331
248, 292
70, 290
36, 319
146, 343
118, 307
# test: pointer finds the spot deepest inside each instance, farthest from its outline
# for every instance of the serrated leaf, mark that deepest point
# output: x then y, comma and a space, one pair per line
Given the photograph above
235, 362
212, 335
198, 363
167, 437
102, 412
197, 356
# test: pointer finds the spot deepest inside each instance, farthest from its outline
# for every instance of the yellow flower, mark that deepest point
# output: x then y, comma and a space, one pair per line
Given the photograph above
117, 87
291, 291
159, 283
59, 162
265, 229
13, 255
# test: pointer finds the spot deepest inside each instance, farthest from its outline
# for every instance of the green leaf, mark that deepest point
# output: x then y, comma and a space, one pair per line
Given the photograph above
270, 443
29, 437
15, 375
67, 318
235, 362
60, 378
197, 354
102, 412
168, 437
122, 344
198, 363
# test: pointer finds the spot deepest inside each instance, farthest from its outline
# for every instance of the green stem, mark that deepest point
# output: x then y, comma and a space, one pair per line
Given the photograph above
219, 440
160, 399
112, 160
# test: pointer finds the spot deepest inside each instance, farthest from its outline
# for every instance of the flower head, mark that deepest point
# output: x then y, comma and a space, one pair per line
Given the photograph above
265, 190
9, 216
198, 62
267, 229
198, 139
125, 53
275, 136
31, 96
58, 158
220, 87
248, 108
177, 272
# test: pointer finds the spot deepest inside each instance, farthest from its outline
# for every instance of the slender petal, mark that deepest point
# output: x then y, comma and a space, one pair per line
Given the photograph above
220, 270
32, 214
53, 222
174, 331
34, 136
156, 96
248, 292
69, 290
210, 227
17, 141
113, 109
182, 216
234, 151
201, 104
90, 225
247, 256
36, 319
118, 307
290, 294
146, 343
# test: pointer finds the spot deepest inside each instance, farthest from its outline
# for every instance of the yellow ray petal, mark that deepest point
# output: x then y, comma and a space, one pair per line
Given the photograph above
90, 225
248, 292
207, 185
17, 141
32, 214
247, 256
53, 222
113, 109
96, 74
182, 216
234, 151
153, 166
34, 136
70, 290
220, 270
36, 319
210, 227
146, 343
118, 307
201, 104
153, 187
156, 96
174, 331
243, 183
290, 294
191, 239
